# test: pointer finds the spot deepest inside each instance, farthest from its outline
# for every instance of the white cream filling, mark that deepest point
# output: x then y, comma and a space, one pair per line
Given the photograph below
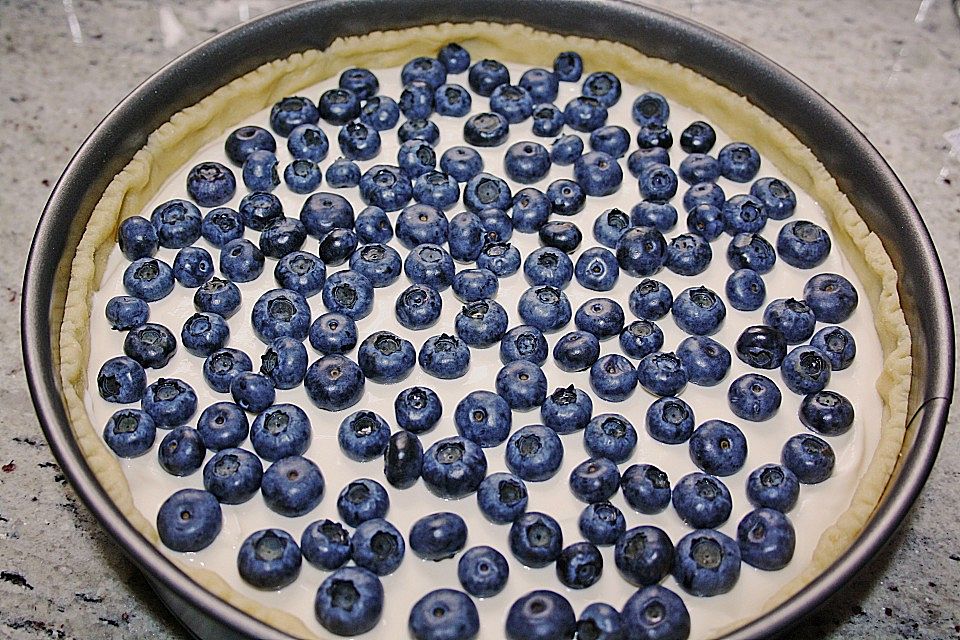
816, 510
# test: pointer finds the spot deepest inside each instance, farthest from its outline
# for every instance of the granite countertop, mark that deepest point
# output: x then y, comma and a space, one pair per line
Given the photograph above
892, 67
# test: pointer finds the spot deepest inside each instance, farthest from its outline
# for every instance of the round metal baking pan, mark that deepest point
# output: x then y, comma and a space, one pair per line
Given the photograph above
858, 168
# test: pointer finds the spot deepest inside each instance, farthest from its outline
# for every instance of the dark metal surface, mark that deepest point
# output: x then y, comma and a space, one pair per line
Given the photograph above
859, 169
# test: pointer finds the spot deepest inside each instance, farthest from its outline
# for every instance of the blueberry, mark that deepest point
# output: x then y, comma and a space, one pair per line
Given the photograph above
541, 615
522, 384
566, 149
436, 189
361, 82
417, 409
444, 614
379, 263
745, 290
338, 106
325, 544
773, 487
743, 214
644, 555
595, 480
418, 307
702, 501
548, 266
640, 338
600, 621
837, 345
523, 342
419, 129
670, 420
654, 135
609, 226
658, 182
444, 356
639, 159
282, 313
534, 453
707, 563
386, 187
291, 112
483, 571
486, 75
137, 238
656, 612
566, 197
254, 392
417, 99
535, 539
373, 225
334, 382
706, 221
349, 601
803, 244
698, 168
699, 311
307, 142
385, 357
662, 374
363, 436
646, 488
610, 435
585, 113
502, 258
151, 345
754, 397
576, 351
601, 523
192, 266
484, 191
597, 269
613, 378
766, 539
211, 184
650, 300
566, 410
529, 210
189, 520
597, 173
698, 137
762, 347
177, 223
580, 565
454, 57
359, 141
794, 318
221, 367
292, 486
416, 157
259, 209
473, 285
526, 162
831, 297
217, 296
337, 246
233, 475
269, 559
612, 140
204, 333
779, 200
403, 459
548, 123
561, 234
688, 255
486, 129
260, 171
660, 215
245, 140
149, 279
739, 162
431, 265
718, 447
453, 467
181, 451
424, 69
348, 293
545, 307
130, 433
483, 417
502, 497
361, 500
438, 536
711, 194
380, 113
304, 176
641, 251
462, 163
497, 225
241, 261
602, 317
280, 431
333, 333
170, 402
805, 370
568, 66
706, 361
512, 102
122, 380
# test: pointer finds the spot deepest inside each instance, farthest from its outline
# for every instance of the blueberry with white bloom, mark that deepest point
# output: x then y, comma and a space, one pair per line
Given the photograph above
363, 436
641, 251
473, 285
349, 293
308, 142
386, 187
417, 409
739, 162
211, 184
282, 236
522, 384
151, 345
337, 246
221, 225
438, 536
743, 214
361, 82
540, 615
325, 544
548, 266
613, 377
149, 279
597, 173
269, 559
303, 176
831, 297
774, 487
484, 191
548, 123
639, 159
130, 433
334, 382
576, 351
280, 431
421, 224
644, 555
604, 86
609, 226
656, 612
602, 317
245, 140
648, 213
419, 129
704, 193
566, 410
610, 435
794, 318
418, 307
646, 488
444, 356
241, 261
561, 234
613, 140
323, 212
670, 420
372, 225
379, 263
189, 520
502, 258
699, 311
810, 458
698, 168
580, 565
650, 300
529, 210
361, 500
486, 75
707, 563
751, 251
462, 163
424, 69
454, 57
601, 622
333, 333
597, 269
512, 102
705, 360
377, 546
754, 397
260, 171
429, 264
542, 85
358, 141
688, 254
380, 112
281, 312
233, 475
291, 112
483, 417
453, 467
416, 157
170, 402
417, 99
805, 370
568, 66
204, 333
122, 380
762, 346
654, 135
767, 539
779, 200
221, 367
745, 290
837, 345
718, 447
566, 149
702, 501
584, 114
341, 174
595, 480
640, 338
436, 189
181, 451
566, 197
544, 307
444, 614
526, 162
403, 459
254, 392
523, 342
486, 129
706, 221
657, 182
338, 106
601, 523
385, 357
535, 539
223, 425
481, 323
349, 601
483, 571
502, 497
192, 266
827, 412
662, 374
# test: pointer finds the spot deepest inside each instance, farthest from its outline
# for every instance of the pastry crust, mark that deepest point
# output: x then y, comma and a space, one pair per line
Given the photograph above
172, 145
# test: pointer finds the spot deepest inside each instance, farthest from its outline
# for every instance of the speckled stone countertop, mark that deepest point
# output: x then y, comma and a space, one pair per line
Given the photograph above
892, 67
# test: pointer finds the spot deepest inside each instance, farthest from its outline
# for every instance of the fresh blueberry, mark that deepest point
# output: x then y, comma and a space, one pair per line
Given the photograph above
739, 162
601, 621
566, 410
662, 373
254, 392
259, 209
598, 173
386, 187
325, 544
484, 191
803, 244
837, 344
698, 168
595, 480
660, 215
541, 615
454, 57
743, 214
379, 263
323, 212
613, 378
754, 397
170, 402
566, 197
601, 523
718, 447
483, 417
699, 311
644, 555
462, 163
597, 269
794, 318
419, 129
602, 317
436, 189
373, 225
497, 225
832, 297
291, 112
280, 431
486, 75
641, 338
417, 99
523, 342
585, 114
349, 601
151, 345
535, 539
610, 435
502, 258
522, 384
363, 436
548, 123
773, 487
473, 285
438, 536
670, 420
579, 565
641, 158
304, 176
529, 210
745, 290
223, 425
512, 102
292, 486
361, 500
762, 346
217, 296
181, 451
245, 140
453, 467
613, 140
444, 614
281, 313
548, 266
189, 520
307, 142
444, 356
483, 571
233, 475
361, 82
334, 382
221, 367
385, 357
130, 433
609, 226
805, 370
604, 86
486, 129
192, 266
706, 221
502, 497
576, 351
429, 264
337, 246
269, 559
349, 293
241, 261
650, 300
702, 501
526, 162
568, 66
544, 307
646, 488
706, 193
260, 171
380, 112
656, 612
698, 137
149, 279
641, 251
566, 149
359, 141
767, 539
204, 333
211, 184
338, 106
424, 69
658, 182
122, 379
534, 453
654, 135
137, 238
561, 234
403, 459
706, 563
688, 254
779, 200
705, 360
333, 333
418, 307
416, 157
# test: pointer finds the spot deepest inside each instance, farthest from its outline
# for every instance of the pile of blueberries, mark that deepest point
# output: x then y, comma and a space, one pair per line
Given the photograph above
705, 562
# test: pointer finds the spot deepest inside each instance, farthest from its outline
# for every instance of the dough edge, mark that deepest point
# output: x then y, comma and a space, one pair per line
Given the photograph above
172, 144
